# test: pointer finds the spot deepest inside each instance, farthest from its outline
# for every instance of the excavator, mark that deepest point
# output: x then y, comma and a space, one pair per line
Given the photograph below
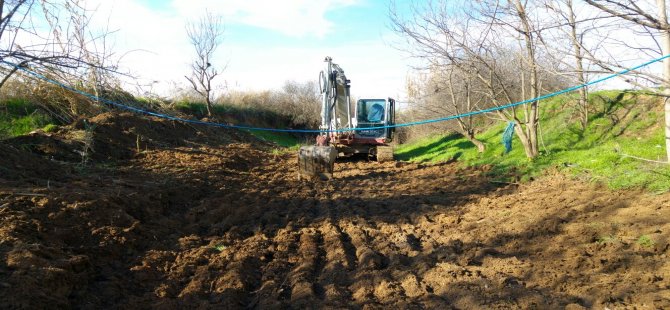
345, 129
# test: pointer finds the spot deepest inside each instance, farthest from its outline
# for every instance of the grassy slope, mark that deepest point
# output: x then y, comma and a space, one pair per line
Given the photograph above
620, 123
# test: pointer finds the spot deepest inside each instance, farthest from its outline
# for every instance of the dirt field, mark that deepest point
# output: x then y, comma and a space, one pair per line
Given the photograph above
162, 215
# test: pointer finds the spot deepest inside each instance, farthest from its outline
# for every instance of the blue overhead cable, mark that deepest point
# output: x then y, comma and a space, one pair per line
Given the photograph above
442, 119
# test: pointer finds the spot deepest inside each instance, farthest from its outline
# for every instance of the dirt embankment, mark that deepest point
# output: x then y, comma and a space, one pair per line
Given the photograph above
159, 214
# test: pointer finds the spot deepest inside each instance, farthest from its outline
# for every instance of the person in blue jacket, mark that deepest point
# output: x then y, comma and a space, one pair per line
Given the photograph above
376, 113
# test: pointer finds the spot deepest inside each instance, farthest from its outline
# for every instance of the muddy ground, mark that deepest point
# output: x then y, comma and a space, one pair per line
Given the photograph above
122, 212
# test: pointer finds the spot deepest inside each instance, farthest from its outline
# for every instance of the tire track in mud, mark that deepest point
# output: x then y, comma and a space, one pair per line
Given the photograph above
364, 245
337, 259
241, 277
366, 257
331, 254
334, 277
308, 265
276, 287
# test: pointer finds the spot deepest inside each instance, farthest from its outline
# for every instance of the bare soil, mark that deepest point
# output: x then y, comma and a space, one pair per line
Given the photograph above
157, 214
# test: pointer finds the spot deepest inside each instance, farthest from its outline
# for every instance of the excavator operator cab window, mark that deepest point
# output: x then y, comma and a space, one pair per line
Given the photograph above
371, 111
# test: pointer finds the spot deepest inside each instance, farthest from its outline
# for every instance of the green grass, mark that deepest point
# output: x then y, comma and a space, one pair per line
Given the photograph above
50, 128
19, 117
282, 139
645, 241
620, 123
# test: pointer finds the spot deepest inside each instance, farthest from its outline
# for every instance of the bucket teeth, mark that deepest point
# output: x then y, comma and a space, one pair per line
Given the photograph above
316, 161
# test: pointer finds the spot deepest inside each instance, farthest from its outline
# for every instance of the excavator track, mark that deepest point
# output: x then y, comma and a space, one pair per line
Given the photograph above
384, 153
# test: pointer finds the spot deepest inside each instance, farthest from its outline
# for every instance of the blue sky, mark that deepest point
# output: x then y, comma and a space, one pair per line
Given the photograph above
265, 42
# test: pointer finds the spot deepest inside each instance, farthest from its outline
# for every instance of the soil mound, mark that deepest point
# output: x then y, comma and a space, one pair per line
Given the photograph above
107, 138
17, 163
121, 136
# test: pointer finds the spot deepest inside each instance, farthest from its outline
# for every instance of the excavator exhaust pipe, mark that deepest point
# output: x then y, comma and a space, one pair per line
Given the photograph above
316, 162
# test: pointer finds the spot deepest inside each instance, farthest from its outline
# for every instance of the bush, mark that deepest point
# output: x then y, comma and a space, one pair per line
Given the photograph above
18, 106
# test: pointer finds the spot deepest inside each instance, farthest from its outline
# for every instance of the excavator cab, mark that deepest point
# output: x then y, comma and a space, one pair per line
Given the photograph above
377, 115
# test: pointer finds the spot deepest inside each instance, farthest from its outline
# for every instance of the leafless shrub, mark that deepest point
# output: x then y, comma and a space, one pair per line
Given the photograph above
206, 36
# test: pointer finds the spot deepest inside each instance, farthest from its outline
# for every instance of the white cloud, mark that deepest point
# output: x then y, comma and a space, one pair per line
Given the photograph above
375, 69
298, 18
160, 53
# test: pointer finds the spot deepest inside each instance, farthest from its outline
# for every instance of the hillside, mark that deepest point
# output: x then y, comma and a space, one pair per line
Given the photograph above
621, 125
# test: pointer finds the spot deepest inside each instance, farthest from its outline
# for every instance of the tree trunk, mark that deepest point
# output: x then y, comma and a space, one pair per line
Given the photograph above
209, 107
579, 59
479, 144
524, 138
466, 128
531, 122
665, 47
667, 123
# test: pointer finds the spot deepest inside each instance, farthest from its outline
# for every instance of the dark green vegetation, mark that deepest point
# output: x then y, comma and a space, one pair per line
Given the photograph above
245, 115
254, 117
621, 124
282, 139
19, 117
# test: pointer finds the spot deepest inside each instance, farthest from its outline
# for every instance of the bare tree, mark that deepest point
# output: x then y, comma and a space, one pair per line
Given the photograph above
463, 100
206, 35
640, 14
524, 27
473, 41
92, 48
451, 91
56, 39
564, 10
64, 48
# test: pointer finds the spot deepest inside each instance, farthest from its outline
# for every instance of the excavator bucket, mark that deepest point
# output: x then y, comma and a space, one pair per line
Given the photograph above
316, 161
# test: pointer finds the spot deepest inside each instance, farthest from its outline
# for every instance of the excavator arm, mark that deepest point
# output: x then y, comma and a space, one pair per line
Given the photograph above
335, 99
319, 160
